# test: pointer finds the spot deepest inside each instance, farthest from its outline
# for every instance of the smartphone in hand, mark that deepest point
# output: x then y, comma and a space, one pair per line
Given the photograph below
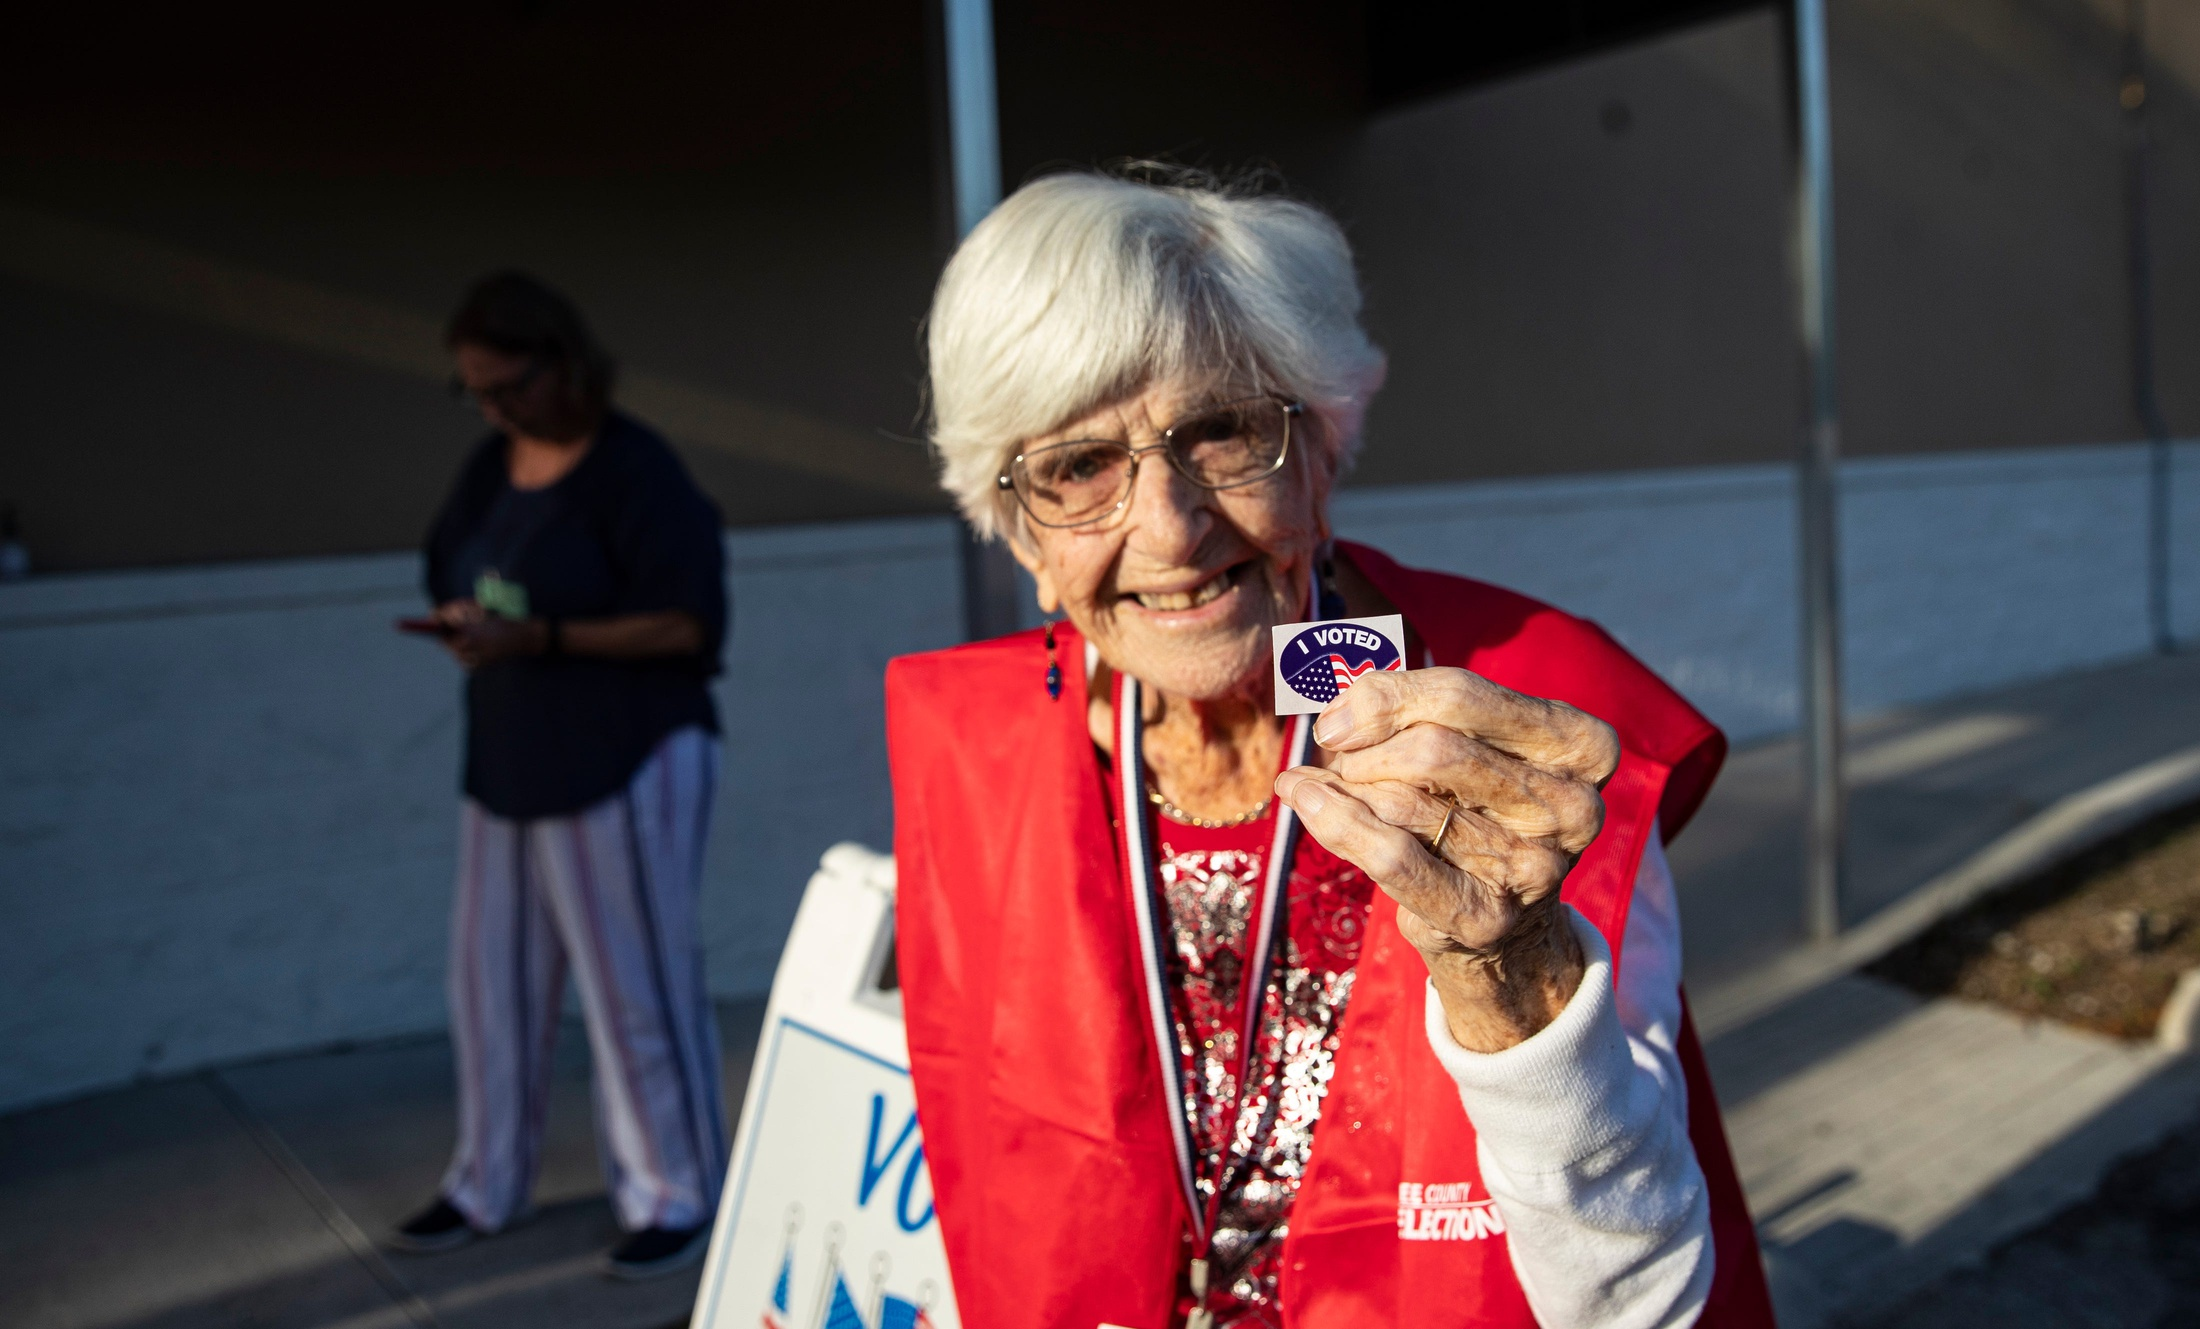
425, 627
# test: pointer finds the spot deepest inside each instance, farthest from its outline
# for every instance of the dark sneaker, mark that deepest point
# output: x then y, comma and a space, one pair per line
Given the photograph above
439, 1227
655, 1251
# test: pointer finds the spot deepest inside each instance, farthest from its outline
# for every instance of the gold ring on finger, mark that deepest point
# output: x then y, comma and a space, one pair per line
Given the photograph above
1436, 841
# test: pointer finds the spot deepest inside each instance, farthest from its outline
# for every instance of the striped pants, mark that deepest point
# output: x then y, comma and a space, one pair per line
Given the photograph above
611, 891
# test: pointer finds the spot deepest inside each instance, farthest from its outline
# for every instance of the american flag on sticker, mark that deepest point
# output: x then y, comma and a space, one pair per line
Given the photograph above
776, 1314
1317, 661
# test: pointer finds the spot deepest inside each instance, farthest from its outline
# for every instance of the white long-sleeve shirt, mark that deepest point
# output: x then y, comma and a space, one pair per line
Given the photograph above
1582, 1134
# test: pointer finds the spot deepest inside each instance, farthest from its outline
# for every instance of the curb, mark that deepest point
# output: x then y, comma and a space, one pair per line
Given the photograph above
2179, 1027
2066, 827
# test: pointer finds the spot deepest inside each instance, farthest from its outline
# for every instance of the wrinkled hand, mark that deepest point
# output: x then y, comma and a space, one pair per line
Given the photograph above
478, 637
1519, 776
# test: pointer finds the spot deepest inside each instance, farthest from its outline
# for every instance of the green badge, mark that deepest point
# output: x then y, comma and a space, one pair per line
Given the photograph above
505, 599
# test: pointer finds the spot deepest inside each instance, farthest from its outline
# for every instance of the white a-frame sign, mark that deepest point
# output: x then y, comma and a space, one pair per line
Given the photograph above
827, 1220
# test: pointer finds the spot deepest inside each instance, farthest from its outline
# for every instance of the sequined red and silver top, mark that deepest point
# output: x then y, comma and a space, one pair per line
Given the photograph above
1211, 882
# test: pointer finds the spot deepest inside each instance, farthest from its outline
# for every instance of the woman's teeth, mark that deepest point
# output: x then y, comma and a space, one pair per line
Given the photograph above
1192, 599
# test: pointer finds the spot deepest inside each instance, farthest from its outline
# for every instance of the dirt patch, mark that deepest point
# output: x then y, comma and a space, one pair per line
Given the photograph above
2097, 942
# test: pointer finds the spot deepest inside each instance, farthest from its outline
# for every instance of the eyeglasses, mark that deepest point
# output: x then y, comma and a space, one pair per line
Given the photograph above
496, 394
1221, 447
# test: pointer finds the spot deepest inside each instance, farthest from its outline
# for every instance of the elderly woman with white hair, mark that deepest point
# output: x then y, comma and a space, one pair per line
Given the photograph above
1218, 1017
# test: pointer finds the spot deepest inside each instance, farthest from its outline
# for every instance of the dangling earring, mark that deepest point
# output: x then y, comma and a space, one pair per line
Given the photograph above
1329, 601
1054, 666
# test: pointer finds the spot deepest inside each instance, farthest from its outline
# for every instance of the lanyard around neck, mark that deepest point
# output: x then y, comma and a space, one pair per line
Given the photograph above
1134, 814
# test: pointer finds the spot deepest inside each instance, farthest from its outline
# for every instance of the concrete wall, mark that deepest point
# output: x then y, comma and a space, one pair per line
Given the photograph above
225, 246
226, 794
227, 817
229, 238
1582, 268
1959, 571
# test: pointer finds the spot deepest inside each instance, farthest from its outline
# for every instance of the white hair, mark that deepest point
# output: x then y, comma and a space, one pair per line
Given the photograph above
1084, 289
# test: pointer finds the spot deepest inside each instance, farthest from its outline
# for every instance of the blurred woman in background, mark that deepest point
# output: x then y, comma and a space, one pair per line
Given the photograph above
577, 575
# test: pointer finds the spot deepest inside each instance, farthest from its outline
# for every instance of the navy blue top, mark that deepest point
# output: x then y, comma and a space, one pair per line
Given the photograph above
624, 532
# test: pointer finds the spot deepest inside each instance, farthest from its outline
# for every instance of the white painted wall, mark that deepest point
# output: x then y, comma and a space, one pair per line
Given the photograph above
1694, 570
227, 794
1960, 571
226, 822
818, 611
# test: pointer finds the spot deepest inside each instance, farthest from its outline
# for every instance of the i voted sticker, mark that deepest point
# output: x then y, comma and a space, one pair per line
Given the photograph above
1316, 661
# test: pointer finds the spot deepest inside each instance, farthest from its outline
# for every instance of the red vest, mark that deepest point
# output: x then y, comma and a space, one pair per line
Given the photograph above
1045, 1119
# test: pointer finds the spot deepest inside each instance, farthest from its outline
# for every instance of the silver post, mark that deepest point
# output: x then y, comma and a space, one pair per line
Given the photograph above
974, 126
1817, 480
2146, 400
974, 185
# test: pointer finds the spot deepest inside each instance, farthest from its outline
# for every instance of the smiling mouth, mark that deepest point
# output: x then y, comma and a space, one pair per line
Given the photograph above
1204, 593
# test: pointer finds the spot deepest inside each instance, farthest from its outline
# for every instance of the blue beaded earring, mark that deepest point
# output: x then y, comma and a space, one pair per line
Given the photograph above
1329, 602
1054, 666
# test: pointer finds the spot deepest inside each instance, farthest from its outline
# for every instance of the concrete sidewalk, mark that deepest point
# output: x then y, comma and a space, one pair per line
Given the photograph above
1882, 1138
1945, 801
257, 1196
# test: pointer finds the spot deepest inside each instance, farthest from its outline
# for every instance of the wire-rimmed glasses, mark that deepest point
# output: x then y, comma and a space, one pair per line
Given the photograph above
1218, 447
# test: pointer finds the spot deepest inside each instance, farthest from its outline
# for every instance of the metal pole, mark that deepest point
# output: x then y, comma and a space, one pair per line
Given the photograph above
989, 589
973, 114
1817, 481
2145, 399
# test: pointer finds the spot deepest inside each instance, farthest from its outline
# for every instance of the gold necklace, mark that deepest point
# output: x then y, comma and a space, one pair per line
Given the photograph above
1177, 814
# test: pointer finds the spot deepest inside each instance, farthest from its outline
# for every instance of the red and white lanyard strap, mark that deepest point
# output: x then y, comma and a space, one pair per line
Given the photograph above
1153, 944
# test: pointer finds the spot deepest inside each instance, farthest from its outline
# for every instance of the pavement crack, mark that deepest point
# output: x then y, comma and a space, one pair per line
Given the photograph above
332, 1214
